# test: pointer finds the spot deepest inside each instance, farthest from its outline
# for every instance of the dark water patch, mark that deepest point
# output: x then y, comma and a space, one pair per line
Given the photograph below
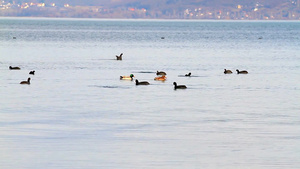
144, 72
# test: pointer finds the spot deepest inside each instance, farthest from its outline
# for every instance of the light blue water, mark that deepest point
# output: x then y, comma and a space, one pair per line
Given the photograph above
77, 114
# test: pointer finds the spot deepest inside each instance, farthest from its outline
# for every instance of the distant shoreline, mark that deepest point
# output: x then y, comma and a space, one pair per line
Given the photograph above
140, 19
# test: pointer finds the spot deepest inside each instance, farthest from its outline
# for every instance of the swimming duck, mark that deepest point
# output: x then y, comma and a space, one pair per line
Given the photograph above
178, 86
127, 77
32, 72
119, 57
141, 83
189, 74
14, 68
26, 82
161, 78
241, 72
227, 71
161, 73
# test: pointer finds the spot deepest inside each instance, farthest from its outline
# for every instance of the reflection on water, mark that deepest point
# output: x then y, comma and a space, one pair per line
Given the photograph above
77, 113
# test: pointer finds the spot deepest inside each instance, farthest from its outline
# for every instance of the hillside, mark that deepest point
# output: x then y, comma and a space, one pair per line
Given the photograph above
168, 9
162, 4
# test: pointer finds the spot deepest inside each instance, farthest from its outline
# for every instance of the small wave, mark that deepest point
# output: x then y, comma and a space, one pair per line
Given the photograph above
190, 76
144, 72
188, 88
80, 67
111, 87
103, 59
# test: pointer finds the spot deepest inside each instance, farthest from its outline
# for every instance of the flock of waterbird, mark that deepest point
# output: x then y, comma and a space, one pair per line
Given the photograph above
237, 70
28, 80
161, 76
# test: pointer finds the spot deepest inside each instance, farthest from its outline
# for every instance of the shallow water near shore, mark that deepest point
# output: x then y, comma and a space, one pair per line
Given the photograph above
77, 113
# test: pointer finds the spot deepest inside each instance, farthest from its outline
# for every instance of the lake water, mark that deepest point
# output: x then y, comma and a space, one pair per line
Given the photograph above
78, 114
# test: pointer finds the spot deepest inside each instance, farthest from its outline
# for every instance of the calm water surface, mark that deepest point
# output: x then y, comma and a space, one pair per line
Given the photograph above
77, 114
